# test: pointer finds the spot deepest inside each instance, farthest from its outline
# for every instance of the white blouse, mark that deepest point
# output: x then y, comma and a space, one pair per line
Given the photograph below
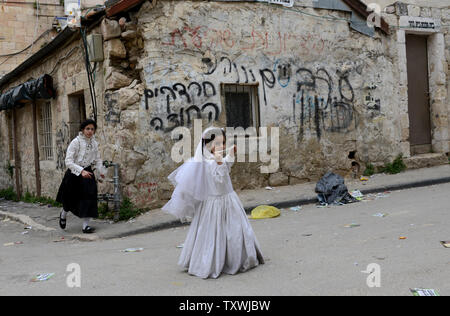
82, 153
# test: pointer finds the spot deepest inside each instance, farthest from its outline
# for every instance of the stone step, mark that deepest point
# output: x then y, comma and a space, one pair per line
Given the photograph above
426, 160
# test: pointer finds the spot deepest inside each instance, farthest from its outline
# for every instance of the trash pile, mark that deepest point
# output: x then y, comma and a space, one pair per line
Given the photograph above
331, 189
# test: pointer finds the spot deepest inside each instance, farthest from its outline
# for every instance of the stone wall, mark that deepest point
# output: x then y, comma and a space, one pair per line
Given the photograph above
446, 31
319, 104
338, 97
20, 27
67, 68
5, 178
438, 63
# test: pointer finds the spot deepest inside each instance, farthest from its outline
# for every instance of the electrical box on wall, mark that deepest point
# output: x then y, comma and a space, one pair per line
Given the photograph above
95, 47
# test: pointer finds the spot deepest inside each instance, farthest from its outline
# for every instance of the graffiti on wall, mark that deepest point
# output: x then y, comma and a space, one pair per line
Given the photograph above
322, 97
112, 112
62, 143
188, 95
269, 43
146, 193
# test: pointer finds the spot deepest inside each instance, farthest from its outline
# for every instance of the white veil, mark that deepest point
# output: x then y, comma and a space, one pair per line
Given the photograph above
191, 181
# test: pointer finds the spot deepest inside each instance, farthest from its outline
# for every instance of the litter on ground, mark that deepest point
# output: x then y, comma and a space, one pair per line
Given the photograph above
424, 292
133, 250
356, 194
42, 277
13, 243
265, 211
352, 225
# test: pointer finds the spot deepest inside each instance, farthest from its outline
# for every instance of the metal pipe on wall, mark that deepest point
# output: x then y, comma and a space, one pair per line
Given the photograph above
36, 152
17, 168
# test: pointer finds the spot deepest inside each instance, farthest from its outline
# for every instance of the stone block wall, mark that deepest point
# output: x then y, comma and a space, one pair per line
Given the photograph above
21, 23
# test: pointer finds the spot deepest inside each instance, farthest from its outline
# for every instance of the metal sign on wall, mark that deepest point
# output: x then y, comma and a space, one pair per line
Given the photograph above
419, 24
286, 3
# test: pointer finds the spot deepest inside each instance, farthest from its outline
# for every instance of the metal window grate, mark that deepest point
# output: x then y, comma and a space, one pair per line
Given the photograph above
45, 129
241, 105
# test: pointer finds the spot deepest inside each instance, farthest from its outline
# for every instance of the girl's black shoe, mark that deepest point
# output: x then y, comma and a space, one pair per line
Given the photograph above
88, 230
62, 222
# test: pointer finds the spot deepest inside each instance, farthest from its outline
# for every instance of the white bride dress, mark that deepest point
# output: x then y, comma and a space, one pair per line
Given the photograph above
220, 237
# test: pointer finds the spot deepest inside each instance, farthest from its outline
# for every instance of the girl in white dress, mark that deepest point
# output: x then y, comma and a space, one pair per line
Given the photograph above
220, 237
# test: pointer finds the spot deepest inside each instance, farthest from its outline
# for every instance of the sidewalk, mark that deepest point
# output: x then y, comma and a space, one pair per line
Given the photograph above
46, 218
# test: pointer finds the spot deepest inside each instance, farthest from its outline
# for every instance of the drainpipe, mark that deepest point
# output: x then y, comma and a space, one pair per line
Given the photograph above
115, 197
17, 168
116, 191
36, 152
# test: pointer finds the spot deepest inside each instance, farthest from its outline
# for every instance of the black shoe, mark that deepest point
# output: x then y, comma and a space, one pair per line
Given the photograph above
62, 222
88, 230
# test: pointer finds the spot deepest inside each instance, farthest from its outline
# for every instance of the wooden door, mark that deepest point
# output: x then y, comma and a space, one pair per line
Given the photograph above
418, 94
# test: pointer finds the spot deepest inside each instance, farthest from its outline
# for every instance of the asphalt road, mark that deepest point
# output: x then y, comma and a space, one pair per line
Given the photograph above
308, 252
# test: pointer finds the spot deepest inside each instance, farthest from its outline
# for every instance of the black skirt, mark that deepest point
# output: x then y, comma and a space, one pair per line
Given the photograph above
79, 195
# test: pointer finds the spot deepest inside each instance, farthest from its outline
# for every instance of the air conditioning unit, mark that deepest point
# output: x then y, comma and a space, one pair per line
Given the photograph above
95, 47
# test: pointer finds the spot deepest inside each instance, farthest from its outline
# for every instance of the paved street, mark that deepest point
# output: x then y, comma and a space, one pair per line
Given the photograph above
309, 252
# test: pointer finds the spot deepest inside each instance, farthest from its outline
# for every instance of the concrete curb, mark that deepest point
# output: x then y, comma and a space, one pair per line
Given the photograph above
26, 220
284, 204
395, 187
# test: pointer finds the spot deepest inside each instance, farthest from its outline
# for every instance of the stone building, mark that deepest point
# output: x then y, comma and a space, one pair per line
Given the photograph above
343, 94
25, 27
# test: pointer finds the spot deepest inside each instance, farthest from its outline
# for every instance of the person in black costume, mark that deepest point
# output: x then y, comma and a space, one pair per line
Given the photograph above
78, 190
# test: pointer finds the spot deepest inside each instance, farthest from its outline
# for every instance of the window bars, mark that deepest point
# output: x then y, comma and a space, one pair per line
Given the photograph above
45, 124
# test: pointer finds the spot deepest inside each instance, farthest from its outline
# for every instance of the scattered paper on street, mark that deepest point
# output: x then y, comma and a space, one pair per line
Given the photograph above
42, 277
133, 250
424, 292
352, 225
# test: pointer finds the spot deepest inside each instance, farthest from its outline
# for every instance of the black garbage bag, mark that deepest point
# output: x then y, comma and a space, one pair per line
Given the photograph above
35, 89
331, 189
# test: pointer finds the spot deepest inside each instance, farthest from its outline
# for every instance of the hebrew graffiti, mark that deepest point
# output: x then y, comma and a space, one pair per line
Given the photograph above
185, 94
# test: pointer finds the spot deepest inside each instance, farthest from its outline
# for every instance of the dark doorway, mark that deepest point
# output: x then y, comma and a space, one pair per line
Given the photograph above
77, 113
418, 94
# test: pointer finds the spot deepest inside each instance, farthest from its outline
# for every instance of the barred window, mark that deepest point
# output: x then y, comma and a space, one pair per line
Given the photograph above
241, 105
45, 131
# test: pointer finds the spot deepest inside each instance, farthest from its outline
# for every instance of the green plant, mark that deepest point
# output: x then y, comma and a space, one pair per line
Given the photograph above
127, 210
370, 170
396, 166
10, 169
104, 212
31, 198
9, 194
